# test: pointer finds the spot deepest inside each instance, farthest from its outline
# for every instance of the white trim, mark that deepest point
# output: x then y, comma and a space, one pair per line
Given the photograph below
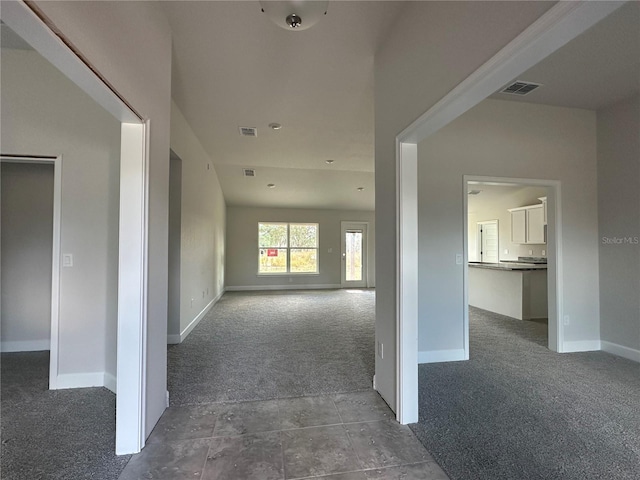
176, 339
437, 356
407, 284
559, 25
247, 288
25, 346
81, 380
109, 382
132, 290
620, 350
582, 346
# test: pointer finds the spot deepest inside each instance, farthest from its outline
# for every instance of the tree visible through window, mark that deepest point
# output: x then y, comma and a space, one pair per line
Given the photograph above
288, 247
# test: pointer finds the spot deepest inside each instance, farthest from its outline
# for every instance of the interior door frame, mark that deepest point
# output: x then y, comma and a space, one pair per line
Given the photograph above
344, 226
56, 161
560, 24
33, 26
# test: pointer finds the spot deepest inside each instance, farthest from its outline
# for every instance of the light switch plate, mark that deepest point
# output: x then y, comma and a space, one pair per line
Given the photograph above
458, 259
67, 260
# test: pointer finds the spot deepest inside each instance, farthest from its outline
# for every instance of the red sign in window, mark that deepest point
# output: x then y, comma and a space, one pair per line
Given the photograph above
272, 252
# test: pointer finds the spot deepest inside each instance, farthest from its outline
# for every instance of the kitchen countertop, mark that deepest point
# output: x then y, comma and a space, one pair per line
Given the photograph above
509, 266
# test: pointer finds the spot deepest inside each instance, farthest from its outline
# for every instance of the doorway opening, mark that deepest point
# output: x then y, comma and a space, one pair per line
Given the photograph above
31, 188
509, 256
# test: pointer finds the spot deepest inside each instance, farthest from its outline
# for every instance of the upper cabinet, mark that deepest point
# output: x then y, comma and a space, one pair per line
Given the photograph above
527, 224
544, 207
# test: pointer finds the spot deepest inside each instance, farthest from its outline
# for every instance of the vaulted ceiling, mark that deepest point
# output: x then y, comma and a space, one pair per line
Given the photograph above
233, 67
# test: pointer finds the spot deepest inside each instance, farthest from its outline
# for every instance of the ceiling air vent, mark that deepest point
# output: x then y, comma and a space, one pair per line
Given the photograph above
248, 172
248, 131
520, 88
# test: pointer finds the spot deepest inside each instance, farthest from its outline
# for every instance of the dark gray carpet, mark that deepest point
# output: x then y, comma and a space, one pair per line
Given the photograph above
61, 434
519, 411
264, 345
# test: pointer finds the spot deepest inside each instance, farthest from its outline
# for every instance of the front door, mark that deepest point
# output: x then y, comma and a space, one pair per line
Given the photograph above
354, 255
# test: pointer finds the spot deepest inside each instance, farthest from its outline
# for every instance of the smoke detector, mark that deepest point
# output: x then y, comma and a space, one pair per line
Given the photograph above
520, 88
248, 131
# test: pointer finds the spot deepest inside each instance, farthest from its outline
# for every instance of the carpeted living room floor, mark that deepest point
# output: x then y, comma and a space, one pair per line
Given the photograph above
516, 410
266, 345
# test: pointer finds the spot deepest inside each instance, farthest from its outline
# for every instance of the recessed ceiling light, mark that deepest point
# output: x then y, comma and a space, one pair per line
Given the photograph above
329, 162
271, 185
360, 189
275, 126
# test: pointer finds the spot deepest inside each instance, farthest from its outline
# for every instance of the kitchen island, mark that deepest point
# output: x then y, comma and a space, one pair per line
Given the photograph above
517, 290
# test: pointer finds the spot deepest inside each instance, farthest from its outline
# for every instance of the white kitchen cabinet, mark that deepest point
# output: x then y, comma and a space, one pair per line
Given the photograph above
519, 226
544, 207
527, 225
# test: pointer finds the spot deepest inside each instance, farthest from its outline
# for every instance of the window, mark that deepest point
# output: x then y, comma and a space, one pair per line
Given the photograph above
287, 248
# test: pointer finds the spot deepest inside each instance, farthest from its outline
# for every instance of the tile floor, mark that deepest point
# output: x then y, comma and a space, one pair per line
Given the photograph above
336, 437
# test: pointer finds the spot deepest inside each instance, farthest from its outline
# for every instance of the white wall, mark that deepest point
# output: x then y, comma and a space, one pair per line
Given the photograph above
496, 208
203, 219
129, 43
43, 113
27, 242
619, 217
431, 49
242, 246
518, 140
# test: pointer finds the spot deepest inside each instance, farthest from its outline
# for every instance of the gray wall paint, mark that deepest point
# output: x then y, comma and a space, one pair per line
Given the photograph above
506, 139
431, 49
26, 238
175, 218
203, 224
242, 245
619, 217
43, 113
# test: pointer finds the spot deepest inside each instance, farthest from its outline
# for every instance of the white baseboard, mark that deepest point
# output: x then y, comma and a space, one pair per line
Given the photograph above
246, 288
109, 382
581, 346
26, 346
175, 339
437, 356
621, 351
80, 380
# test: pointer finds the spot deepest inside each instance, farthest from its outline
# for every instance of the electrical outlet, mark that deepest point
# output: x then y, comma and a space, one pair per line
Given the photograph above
192, 302
458, 259
530, 252
567, 320
544, 252
381, 349
506, 251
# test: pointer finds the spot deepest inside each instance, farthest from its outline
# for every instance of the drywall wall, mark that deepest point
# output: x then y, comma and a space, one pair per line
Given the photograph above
495, 207
43, 113
203, 219
27, 243
242, 246
175, 233
129, 43
518, 140
619, 225
433, 47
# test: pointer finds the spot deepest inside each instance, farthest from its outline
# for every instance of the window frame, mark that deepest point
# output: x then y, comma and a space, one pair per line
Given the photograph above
288, 249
